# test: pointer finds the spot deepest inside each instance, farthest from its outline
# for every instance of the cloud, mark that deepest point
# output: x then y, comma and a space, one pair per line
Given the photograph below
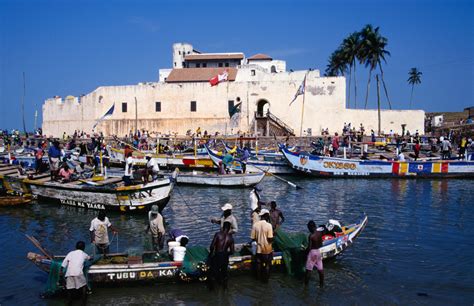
144, 23
287, 52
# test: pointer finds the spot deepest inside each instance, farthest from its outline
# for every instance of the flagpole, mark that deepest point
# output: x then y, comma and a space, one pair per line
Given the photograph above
302, 106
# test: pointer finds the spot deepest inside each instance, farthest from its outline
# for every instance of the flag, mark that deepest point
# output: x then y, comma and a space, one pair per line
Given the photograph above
234, 109
107, 114
221, 77
300, 91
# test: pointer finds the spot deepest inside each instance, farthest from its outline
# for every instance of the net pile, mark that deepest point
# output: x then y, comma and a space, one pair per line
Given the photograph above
293, 246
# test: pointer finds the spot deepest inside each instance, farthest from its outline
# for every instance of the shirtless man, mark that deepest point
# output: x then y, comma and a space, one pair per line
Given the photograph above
221, 247
314, 259
276, 216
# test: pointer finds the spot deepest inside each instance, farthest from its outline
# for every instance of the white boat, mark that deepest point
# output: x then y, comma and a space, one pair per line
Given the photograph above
109, 194
323, 166
213, 179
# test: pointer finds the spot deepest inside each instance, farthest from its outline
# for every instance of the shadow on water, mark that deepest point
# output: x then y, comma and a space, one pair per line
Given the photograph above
416, 249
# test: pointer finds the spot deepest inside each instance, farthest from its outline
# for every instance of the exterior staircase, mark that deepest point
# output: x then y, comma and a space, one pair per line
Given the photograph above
270, 125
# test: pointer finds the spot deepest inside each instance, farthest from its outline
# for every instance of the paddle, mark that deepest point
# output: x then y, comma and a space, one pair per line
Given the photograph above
279, 177
38, 245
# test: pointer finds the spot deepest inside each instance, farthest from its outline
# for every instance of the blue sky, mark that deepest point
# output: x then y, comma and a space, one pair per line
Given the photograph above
72, 47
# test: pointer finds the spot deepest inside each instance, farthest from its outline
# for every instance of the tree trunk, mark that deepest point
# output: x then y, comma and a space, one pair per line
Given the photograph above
368, 88
411, 96
348, 104
355, 86
384, 86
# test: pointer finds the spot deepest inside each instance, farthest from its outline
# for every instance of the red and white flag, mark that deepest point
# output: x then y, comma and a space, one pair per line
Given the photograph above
221, 77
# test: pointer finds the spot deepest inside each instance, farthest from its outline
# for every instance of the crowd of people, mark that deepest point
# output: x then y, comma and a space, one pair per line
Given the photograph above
265, 222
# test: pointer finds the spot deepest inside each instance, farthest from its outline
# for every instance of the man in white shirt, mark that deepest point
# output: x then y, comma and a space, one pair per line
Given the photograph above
75, 279
127, 177
401, 157
151, 168
99, 232
178, 252
227, 216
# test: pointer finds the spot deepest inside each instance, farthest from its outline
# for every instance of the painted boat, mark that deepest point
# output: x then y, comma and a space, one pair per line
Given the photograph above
275, 165
122, 268
323, 166
108, 194
13, 201
12, 182
163, 160
213, 179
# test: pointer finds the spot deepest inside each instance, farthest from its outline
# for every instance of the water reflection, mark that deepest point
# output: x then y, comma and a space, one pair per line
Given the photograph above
418, 240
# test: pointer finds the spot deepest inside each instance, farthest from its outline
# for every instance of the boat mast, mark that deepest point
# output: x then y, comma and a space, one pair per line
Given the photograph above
302, 105
23, 103
136, 117
378, 102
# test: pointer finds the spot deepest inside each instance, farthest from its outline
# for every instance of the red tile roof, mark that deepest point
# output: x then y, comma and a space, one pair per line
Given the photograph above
213, 56
260, 56
198, 74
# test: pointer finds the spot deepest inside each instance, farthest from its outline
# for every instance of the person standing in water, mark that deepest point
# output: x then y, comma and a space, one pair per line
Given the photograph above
314, 259
221, 248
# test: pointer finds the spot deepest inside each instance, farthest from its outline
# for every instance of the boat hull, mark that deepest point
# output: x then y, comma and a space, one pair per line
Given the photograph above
227, 180
322, 166
124, 199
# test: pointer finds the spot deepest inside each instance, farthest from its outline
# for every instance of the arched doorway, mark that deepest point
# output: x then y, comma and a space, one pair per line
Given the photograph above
263, 106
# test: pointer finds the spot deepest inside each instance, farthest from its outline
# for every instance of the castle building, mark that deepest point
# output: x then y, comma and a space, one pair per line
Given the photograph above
256, 91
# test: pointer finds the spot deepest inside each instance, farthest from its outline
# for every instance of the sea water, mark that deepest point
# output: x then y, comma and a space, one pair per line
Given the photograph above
418, 246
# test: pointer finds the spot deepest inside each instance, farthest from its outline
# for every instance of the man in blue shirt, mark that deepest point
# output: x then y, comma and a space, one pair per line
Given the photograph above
54, 153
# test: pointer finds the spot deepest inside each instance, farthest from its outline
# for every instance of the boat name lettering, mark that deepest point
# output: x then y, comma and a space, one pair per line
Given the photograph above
82, 204
140, 275
339, 165
141, 194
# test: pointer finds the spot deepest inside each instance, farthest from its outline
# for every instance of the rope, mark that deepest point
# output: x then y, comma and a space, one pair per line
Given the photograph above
200, 218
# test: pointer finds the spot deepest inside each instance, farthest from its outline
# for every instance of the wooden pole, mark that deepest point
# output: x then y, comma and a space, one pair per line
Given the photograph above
302, 106
23, 103
136, 116
378, 103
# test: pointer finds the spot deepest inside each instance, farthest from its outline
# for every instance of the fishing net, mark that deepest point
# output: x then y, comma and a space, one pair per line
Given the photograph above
194, 258
293, 246
56, 282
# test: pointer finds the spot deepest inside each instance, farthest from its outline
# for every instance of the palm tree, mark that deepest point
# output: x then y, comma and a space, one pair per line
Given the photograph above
337, 64
350, 48
371, 53
414, 78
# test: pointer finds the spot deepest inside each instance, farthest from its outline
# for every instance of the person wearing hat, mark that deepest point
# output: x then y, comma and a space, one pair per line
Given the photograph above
227, 216
262, 234
157, 228
151, 168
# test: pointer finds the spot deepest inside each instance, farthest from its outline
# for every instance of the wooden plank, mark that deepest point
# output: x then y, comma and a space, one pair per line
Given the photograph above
109, 181
42, 180
8, 168
9, 172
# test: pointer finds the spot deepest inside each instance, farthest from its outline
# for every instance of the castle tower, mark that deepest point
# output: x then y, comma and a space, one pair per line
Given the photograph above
180, 50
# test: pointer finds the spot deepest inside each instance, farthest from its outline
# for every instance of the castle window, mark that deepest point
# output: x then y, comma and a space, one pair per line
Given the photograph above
198, 65
193, 106
175, 64
220, 65
230, 105
124, 107
273, 69
252, 72
179, 52
204, 65
227, 64
157, 107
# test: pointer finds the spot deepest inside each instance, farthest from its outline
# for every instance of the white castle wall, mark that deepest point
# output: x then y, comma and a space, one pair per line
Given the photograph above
324, 106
